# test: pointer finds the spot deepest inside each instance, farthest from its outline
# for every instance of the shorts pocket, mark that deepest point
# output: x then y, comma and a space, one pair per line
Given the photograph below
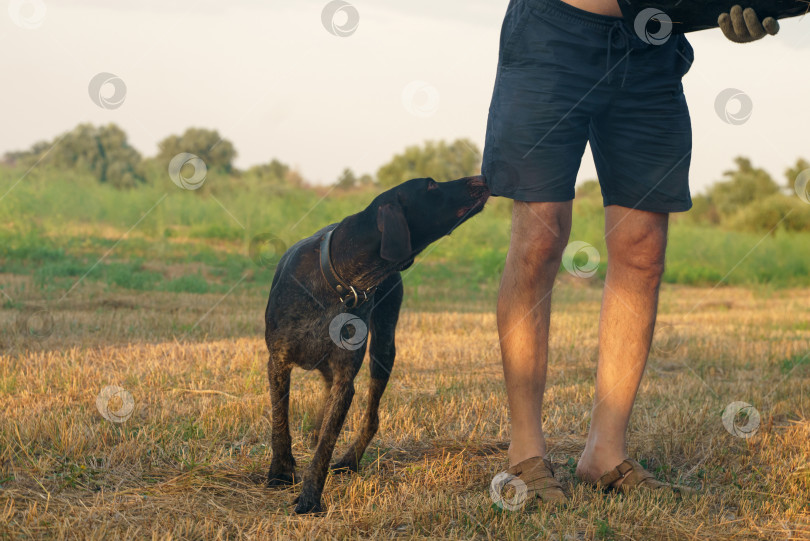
514, 24
686, 54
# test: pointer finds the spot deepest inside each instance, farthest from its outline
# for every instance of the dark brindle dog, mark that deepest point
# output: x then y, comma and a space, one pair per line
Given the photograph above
347, 275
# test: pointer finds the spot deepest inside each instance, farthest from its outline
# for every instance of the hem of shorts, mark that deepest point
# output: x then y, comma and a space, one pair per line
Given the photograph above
528, 197
678, 206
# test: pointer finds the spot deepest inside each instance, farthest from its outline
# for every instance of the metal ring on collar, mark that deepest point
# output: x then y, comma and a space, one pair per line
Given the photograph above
354, 299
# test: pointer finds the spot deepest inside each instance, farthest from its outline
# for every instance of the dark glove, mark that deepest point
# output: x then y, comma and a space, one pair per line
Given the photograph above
743, 26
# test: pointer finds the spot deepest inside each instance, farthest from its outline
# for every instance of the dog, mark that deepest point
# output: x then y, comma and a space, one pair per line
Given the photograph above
328, 291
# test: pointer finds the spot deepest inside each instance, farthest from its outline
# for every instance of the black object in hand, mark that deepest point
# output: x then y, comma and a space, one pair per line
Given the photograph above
691, 15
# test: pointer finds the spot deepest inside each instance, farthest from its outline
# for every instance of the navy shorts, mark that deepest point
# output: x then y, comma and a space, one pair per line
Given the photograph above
567, 77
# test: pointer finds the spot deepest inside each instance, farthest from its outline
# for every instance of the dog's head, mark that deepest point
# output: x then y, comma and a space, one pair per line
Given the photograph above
420, 211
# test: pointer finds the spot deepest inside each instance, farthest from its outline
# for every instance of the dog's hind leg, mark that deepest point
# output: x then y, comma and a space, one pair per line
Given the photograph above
282, 465
382, 352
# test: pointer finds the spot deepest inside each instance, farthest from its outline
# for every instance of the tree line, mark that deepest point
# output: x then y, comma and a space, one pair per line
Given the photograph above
749, 199
746, 198
104, 153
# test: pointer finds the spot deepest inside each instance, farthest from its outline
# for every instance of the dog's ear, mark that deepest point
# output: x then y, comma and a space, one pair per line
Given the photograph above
396, 237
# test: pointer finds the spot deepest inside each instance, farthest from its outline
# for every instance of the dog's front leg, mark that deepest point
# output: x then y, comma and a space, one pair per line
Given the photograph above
309, 501
384, 317
315, 435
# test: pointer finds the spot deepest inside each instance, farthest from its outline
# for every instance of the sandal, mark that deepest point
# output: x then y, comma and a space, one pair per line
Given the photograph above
630, 475
537, 475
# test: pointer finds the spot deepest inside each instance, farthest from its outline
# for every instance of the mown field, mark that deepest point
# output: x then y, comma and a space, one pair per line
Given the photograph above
190, 461
161, 292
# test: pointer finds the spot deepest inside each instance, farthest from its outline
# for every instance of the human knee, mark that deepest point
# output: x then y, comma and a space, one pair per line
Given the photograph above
539, 234
641, 252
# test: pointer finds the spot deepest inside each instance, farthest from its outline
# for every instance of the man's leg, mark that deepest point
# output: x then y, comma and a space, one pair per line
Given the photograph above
636, 244
539, 237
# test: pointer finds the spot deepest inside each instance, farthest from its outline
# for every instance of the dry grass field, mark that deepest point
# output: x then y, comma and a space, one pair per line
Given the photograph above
190, 460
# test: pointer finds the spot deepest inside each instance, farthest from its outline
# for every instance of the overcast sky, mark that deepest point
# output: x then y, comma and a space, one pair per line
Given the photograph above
271, 78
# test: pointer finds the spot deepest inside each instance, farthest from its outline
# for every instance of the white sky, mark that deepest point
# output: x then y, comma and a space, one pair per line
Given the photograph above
270, 78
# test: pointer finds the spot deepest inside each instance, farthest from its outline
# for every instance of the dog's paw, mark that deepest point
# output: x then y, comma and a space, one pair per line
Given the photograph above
307, 506
280, 479
344, 466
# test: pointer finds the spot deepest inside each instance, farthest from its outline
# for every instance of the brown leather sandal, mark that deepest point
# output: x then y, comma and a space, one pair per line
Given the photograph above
537, 474
630, 475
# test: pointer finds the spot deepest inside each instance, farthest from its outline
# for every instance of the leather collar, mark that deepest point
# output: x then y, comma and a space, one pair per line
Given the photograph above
347, 293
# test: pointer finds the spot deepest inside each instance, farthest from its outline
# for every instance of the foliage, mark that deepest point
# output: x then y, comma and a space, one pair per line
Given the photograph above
702, 212
773, 212
747, 199
217, 153
437, 160
274, 173
792, 172
57, 231
348, 180
743, 186
588, 189
750, 200
102, 151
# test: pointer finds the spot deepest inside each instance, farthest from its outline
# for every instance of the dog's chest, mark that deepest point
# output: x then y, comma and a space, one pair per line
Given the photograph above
332, 331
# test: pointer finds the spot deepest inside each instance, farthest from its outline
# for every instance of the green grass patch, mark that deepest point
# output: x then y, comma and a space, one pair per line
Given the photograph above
62, 229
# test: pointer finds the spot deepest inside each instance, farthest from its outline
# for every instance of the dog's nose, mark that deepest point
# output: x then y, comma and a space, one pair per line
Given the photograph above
477, 181
478, 187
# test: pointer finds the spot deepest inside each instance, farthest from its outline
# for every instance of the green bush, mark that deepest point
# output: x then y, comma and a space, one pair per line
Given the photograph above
772, 212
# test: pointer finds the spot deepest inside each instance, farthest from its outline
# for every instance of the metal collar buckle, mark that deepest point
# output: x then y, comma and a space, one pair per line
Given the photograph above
353, 299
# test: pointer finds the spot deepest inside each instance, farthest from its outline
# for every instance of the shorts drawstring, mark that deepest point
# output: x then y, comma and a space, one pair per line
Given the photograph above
624, 42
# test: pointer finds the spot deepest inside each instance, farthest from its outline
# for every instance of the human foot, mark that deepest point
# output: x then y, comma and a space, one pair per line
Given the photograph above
594, 463
628, 476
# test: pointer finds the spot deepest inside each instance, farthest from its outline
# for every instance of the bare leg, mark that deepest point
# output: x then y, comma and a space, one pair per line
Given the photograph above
636, 242
539, 236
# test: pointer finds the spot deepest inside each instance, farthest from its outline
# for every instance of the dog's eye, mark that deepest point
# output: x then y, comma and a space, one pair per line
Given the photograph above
432, 185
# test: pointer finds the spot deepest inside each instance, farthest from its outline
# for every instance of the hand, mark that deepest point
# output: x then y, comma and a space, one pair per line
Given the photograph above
744, 26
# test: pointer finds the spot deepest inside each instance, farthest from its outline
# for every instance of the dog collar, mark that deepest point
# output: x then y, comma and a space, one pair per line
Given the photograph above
348, 294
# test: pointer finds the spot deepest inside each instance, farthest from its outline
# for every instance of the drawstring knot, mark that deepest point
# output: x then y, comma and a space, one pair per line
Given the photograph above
622, 32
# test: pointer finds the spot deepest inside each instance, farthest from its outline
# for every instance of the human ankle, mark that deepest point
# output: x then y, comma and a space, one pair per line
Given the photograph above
520, 450
599, 457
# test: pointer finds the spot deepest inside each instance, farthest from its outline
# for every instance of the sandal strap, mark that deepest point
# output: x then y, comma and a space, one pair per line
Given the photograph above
630, 475
538, 476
